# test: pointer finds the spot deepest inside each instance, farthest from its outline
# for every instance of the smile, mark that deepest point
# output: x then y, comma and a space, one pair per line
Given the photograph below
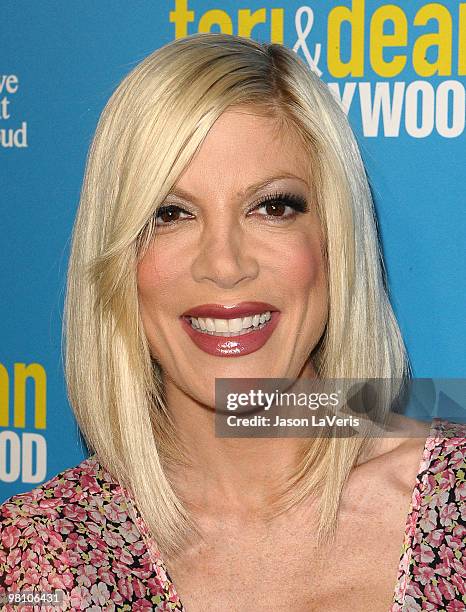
230, 331
231, 327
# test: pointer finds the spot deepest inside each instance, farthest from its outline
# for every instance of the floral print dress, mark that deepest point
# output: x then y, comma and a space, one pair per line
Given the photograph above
81, 534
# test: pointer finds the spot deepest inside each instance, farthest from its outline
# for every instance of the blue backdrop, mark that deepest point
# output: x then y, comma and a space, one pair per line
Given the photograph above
400, 72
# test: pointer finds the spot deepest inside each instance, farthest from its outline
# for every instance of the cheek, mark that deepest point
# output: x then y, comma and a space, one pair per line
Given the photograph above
159, 285
301, 266
156, 278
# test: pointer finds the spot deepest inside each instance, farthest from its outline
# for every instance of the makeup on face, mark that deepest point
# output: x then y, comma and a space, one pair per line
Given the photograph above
233, 283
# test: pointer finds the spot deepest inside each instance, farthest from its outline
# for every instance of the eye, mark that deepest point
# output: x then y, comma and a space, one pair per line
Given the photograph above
166, 215
281, 206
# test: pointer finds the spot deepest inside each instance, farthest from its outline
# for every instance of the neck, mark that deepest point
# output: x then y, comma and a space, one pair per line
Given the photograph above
229, 475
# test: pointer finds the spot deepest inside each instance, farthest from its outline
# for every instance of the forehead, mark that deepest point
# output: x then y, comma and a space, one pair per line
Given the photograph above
243, 148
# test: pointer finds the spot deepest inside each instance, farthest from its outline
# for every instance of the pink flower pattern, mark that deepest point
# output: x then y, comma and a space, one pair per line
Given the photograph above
433, 557
81, 532
76, 533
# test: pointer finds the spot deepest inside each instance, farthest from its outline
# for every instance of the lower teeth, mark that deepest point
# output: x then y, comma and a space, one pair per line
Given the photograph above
228, 334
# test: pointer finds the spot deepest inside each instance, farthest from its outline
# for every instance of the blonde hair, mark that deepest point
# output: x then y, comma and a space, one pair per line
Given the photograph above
148, 132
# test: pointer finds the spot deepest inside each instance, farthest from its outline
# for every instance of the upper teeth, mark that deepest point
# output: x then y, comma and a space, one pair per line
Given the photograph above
229, 325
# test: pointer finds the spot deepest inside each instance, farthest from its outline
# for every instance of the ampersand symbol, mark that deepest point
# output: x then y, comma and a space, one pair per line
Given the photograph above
303, 33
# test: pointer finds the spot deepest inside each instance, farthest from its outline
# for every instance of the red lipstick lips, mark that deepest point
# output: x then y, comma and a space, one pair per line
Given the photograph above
235, 345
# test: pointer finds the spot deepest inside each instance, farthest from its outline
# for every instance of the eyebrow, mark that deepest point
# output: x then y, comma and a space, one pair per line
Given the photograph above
185, 195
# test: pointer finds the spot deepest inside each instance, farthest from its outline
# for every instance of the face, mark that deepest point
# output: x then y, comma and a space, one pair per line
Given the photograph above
233, 284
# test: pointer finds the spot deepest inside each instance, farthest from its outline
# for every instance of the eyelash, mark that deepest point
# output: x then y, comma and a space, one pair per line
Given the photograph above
297, 203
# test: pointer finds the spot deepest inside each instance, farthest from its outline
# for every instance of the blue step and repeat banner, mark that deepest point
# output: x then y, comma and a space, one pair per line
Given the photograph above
399, 70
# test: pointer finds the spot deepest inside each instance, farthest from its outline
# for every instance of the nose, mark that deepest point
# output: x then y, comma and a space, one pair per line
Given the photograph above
224, 257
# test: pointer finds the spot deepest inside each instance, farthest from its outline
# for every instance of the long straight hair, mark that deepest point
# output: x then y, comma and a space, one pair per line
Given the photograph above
148, 132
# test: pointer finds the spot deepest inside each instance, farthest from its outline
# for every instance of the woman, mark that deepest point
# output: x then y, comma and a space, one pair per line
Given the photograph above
226, 230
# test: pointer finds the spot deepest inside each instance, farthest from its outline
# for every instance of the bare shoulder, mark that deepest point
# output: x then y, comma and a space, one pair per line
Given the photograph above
398, 457
391, 461
440, 434
403, 436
